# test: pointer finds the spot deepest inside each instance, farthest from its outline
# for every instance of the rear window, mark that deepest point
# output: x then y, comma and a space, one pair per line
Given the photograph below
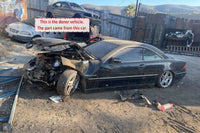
100, 49
76, 6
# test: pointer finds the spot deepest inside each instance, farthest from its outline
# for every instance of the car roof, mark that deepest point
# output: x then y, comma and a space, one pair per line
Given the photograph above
125, 44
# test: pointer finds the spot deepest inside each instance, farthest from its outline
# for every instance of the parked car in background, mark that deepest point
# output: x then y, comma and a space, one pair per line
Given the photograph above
70, 10
23, 31
107, 64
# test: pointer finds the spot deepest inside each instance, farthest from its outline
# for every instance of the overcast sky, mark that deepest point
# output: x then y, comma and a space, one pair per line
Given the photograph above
128, 2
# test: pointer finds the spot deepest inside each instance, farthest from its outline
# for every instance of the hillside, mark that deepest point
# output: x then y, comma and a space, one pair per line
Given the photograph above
183, 11
112, 9
170, 9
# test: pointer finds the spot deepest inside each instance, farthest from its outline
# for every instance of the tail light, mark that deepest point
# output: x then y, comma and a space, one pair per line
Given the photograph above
184, 67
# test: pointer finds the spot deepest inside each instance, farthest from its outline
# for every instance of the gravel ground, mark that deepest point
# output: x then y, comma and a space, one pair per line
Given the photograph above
103, 111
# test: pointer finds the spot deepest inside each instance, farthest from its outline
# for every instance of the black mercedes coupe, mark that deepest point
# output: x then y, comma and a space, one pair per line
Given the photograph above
107, 64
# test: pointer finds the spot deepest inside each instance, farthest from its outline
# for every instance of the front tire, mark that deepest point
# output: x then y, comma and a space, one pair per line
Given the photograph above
165, 79
68, 82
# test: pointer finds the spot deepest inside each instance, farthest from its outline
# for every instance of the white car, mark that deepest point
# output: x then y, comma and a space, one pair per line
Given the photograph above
23, 31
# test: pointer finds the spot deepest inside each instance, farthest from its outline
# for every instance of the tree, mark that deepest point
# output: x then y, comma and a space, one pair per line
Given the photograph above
130, 10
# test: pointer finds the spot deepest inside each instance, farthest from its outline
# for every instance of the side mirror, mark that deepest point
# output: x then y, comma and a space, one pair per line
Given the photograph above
115, 60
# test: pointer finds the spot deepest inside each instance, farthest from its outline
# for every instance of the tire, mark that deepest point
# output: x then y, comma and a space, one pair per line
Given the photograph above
49, 15
165, 79
68, 82
77, 16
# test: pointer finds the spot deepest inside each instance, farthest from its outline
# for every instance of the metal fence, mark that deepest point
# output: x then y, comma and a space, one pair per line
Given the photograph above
148, 28
193, 49
36, 8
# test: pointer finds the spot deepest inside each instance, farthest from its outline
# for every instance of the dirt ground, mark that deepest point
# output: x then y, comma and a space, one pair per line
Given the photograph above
104, 111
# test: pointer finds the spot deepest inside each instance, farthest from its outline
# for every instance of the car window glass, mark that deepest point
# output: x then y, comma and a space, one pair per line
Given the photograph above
65, 5
57, 5
150, 55
100, 49
73, 5
130, 54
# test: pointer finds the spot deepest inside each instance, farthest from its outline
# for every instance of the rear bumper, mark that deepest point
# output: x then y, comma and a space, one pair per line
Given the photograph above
179, 76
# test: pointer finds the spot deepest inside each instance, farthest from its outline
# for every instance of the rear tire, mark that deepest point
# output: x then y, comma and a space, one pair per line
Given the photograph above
165, 79
68, 82
77, 16
49, 15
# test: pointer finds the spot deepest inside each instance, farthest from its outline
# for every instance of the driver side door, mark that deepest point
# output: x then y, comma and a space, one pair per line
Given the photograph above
124, 68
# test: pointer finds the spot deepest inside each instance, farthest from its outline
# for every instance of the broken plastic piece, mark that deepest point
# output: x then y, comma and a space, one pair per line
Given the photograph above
56, 99
163, 107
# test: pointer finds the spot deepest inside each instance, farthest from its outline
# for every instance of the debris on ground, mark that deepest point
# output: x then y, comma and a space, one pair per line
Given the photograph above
127, 94
56, 99
7, 60
131, 95
164, 106
146, 99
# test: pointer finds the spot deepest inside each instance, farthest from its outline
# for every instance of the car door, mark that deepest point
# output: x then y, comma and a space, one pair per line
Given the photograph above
66, 11
124, 68
153, 65
57, 9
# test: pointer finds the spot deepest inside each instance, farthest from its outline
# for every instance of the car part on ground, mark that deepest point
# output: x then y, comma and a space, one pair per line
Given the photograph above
107, 64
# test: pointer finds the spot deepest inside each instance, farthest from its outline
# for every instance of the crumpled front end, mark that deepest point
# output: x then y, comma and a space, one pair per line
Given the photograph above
44, 68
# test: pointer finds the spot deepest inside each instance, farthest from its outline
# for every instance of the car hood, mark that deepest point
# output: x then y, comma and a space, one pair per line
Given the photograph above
49, 44
21, 26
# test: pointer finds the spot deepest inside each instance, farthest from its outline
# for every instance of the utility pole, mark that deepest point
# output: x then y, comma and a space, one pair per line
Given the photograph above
136, 8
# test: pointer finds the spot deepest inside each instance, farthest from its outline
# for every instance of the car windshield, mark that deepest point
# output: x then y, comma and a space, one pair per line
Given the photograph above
30, 21
100, 49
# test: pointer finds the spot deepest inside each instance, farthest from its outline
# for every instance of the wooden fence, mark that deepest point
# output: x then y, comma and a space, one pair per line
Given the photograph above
117, 26
148, 28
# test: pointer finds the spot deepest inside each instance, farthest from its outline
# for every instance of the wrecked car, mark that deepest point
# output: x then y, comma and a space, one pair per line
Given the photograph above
70, 10
107, 64
182, 35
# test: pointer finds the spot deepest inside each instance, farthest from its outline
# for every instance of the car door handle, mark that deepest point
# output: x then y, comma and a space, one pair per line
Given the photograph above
141, 66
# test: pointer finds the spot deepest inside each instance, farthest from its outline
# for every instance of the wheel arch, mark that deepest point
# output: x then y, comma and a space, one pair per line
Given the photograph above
82, 83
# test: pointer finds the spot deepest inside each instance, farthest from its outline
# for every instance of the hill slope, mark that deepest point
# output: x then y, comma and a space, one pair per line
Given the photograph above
183, 11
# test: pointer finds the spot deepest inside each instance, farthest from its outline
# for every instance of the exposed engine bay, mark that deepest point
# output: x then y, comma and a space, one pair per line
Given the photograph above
47, 66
